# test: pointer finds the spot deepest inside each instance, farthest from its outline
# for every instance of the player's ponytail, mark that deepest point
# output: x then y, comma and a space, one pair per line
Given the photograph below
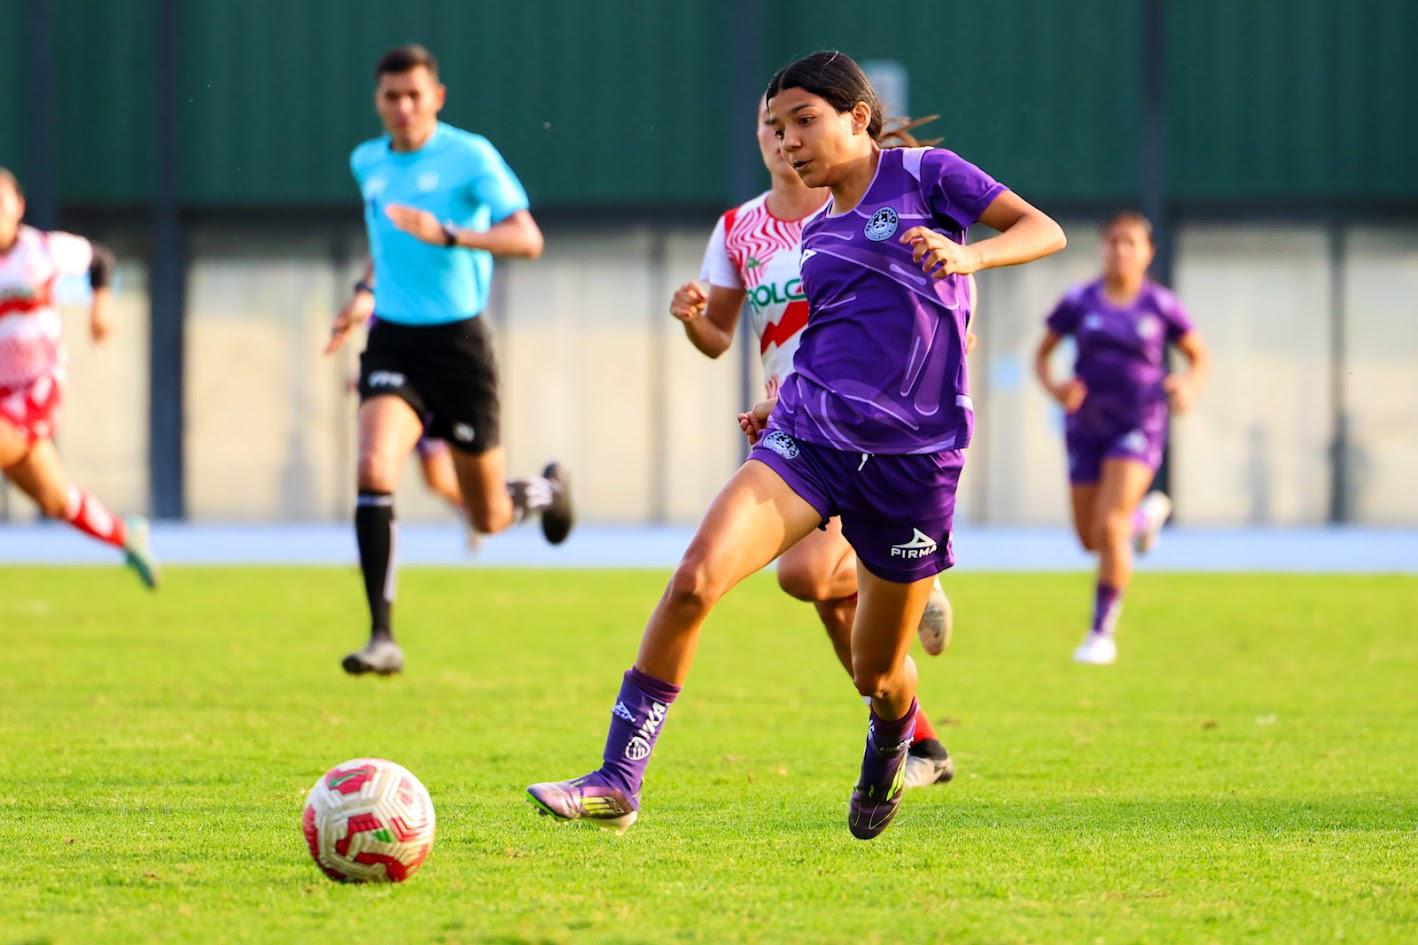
834, 77
898, 133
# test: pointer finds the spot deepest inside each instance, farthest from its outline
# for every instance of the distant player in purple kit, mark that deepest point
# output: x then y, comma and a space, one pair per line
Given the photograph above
870, 425
1117, 404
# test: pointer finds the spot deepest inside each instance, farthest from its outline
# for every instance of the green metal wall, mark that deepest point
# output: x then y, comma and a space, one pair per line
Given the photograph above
626, 103
1292, 99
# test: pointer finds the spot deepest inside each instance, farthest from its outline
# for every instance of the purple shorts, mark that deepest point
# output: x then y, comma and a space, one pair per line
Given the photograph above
897, 511
1086, 452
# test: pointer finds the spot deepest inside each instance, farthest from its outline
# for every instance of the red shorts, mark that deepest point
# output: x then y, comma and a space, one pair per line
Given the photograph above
34, 408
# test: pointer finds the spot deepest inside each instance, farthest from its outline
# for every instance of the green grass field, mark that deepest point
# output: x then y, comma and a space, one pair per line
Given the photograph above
1246, 773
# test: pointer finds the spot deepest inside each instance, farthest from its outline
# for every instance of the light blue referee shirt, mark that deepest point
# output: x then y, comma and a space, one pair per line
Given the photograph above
461, 179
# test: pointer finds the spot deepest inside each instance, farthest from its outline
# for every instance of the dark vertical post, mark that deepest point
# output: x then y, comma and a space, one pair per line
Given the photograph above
1340, 506
1152, 158
745, 169
41, 190
167, 284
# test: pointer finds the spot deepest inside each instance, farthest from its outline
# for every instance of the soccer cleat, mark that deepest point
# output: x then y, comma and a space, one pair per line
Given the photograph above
382, 656
607, 807
928, 763
937, 622
877, 795
138, 553
559, 515
1099, 649
1152, 513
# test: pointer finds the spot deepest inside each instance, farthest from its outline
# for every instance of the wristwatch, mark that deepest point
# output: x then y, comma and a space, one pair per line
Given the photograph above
450, 235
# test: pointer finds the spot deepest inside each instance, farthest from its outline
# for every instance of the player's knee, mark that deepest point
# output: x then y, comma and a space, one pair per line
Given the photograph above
801, 582
1113, 529
693, 589
377, 470
1087, 537
488, 518
871, 681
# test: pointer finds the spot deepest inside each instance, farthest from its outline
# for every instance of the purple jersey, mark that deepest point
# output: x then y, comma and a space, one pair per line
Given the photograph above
881, 364
1122, 355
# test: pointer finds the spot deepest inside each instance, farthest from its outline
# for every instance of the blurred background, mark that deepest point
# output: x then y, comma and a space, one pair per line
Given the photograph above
1273, 142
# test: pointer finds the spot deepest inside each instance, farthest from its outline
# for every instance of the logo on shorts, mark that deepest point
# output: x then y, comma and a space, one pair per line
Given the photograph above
921, 545
881, 225
463, 432
782, 444
638, 748
1135, 442
386, 379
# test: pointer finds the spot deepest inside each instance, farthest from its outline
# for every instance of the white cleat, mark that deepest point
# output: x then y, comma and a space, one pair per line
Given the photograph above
938, 621
1099, 649
1153, 512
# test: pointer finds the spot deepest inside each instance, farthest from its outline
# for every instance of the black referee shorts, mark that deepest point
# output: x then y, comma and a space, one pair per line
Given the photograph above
447, 373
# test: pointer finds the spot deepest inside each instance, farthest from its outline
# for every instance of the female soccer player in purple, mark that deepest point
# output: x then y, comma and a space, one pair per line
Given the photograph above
1117, 405
870, 426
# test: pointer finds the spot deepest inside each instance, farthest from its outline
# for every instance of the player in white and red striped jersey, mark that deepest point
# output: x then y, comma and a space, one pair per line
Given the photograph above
32, 362
753, 256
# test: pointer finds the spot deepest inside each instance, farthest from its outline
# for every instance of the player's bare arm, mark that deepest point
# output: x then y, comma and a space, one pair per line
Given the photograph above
1183, 388
1026, 233
357, 311
709, 318
517, 236
1069, 393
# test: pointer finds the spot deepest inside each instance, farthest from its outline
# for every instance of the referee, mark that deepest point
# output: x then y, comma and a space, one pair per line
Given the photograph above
439, 204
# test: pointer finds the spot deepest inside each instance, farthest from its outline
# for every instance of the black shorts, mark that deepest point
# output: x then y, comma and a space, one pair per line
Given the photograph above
447, 373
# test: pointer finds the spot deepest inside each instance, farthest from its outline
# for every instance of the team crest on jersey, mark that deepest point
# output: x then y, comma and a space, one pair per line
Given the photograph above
1148, 326
782, 444
1092, 322
374, 187
881, 225
428, 181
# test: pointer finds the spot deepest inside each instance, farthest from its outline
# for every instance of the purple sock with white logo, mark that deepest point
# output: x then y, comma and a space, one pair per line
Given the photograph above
636, 720
1107, 605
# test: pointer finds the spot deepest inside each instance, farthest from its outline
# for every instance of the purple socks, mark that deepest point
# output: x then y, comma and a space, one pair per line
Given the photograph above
1107, 606
636, 720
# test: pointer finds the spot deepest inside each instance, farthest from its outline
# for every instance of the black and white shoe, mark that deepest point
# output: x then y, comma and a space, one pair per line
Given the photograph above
928, 763
558, 516
382, 656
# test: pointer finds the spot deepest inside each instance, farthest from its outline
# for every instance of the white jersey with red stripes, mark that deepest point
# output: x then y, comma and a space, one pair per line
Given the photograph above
30, 346
753, 250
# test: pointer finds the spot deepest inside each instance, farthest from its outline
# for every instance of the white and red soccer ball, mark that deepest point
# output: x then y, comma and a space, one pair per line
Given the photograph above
368, 821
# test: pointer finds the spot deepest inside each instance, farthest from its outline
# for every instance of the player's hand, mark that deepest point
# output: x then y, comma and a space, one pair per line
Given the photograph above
419, 224
938, 256
355, 313
971, 339
689, 302
1070, 394
754, 420
100, 320
1180, 393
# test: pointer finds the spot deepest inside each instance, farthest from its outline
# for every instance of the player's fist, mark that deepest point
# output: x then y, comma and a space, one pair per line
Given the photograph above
689, 302
938, 256
752, 421
1179, 393
419, 224
1070, 394
355, 313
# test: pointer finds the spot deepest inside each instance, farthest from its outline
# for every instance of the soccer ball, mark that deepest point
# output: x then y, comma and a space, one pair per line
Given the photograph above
368, 821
